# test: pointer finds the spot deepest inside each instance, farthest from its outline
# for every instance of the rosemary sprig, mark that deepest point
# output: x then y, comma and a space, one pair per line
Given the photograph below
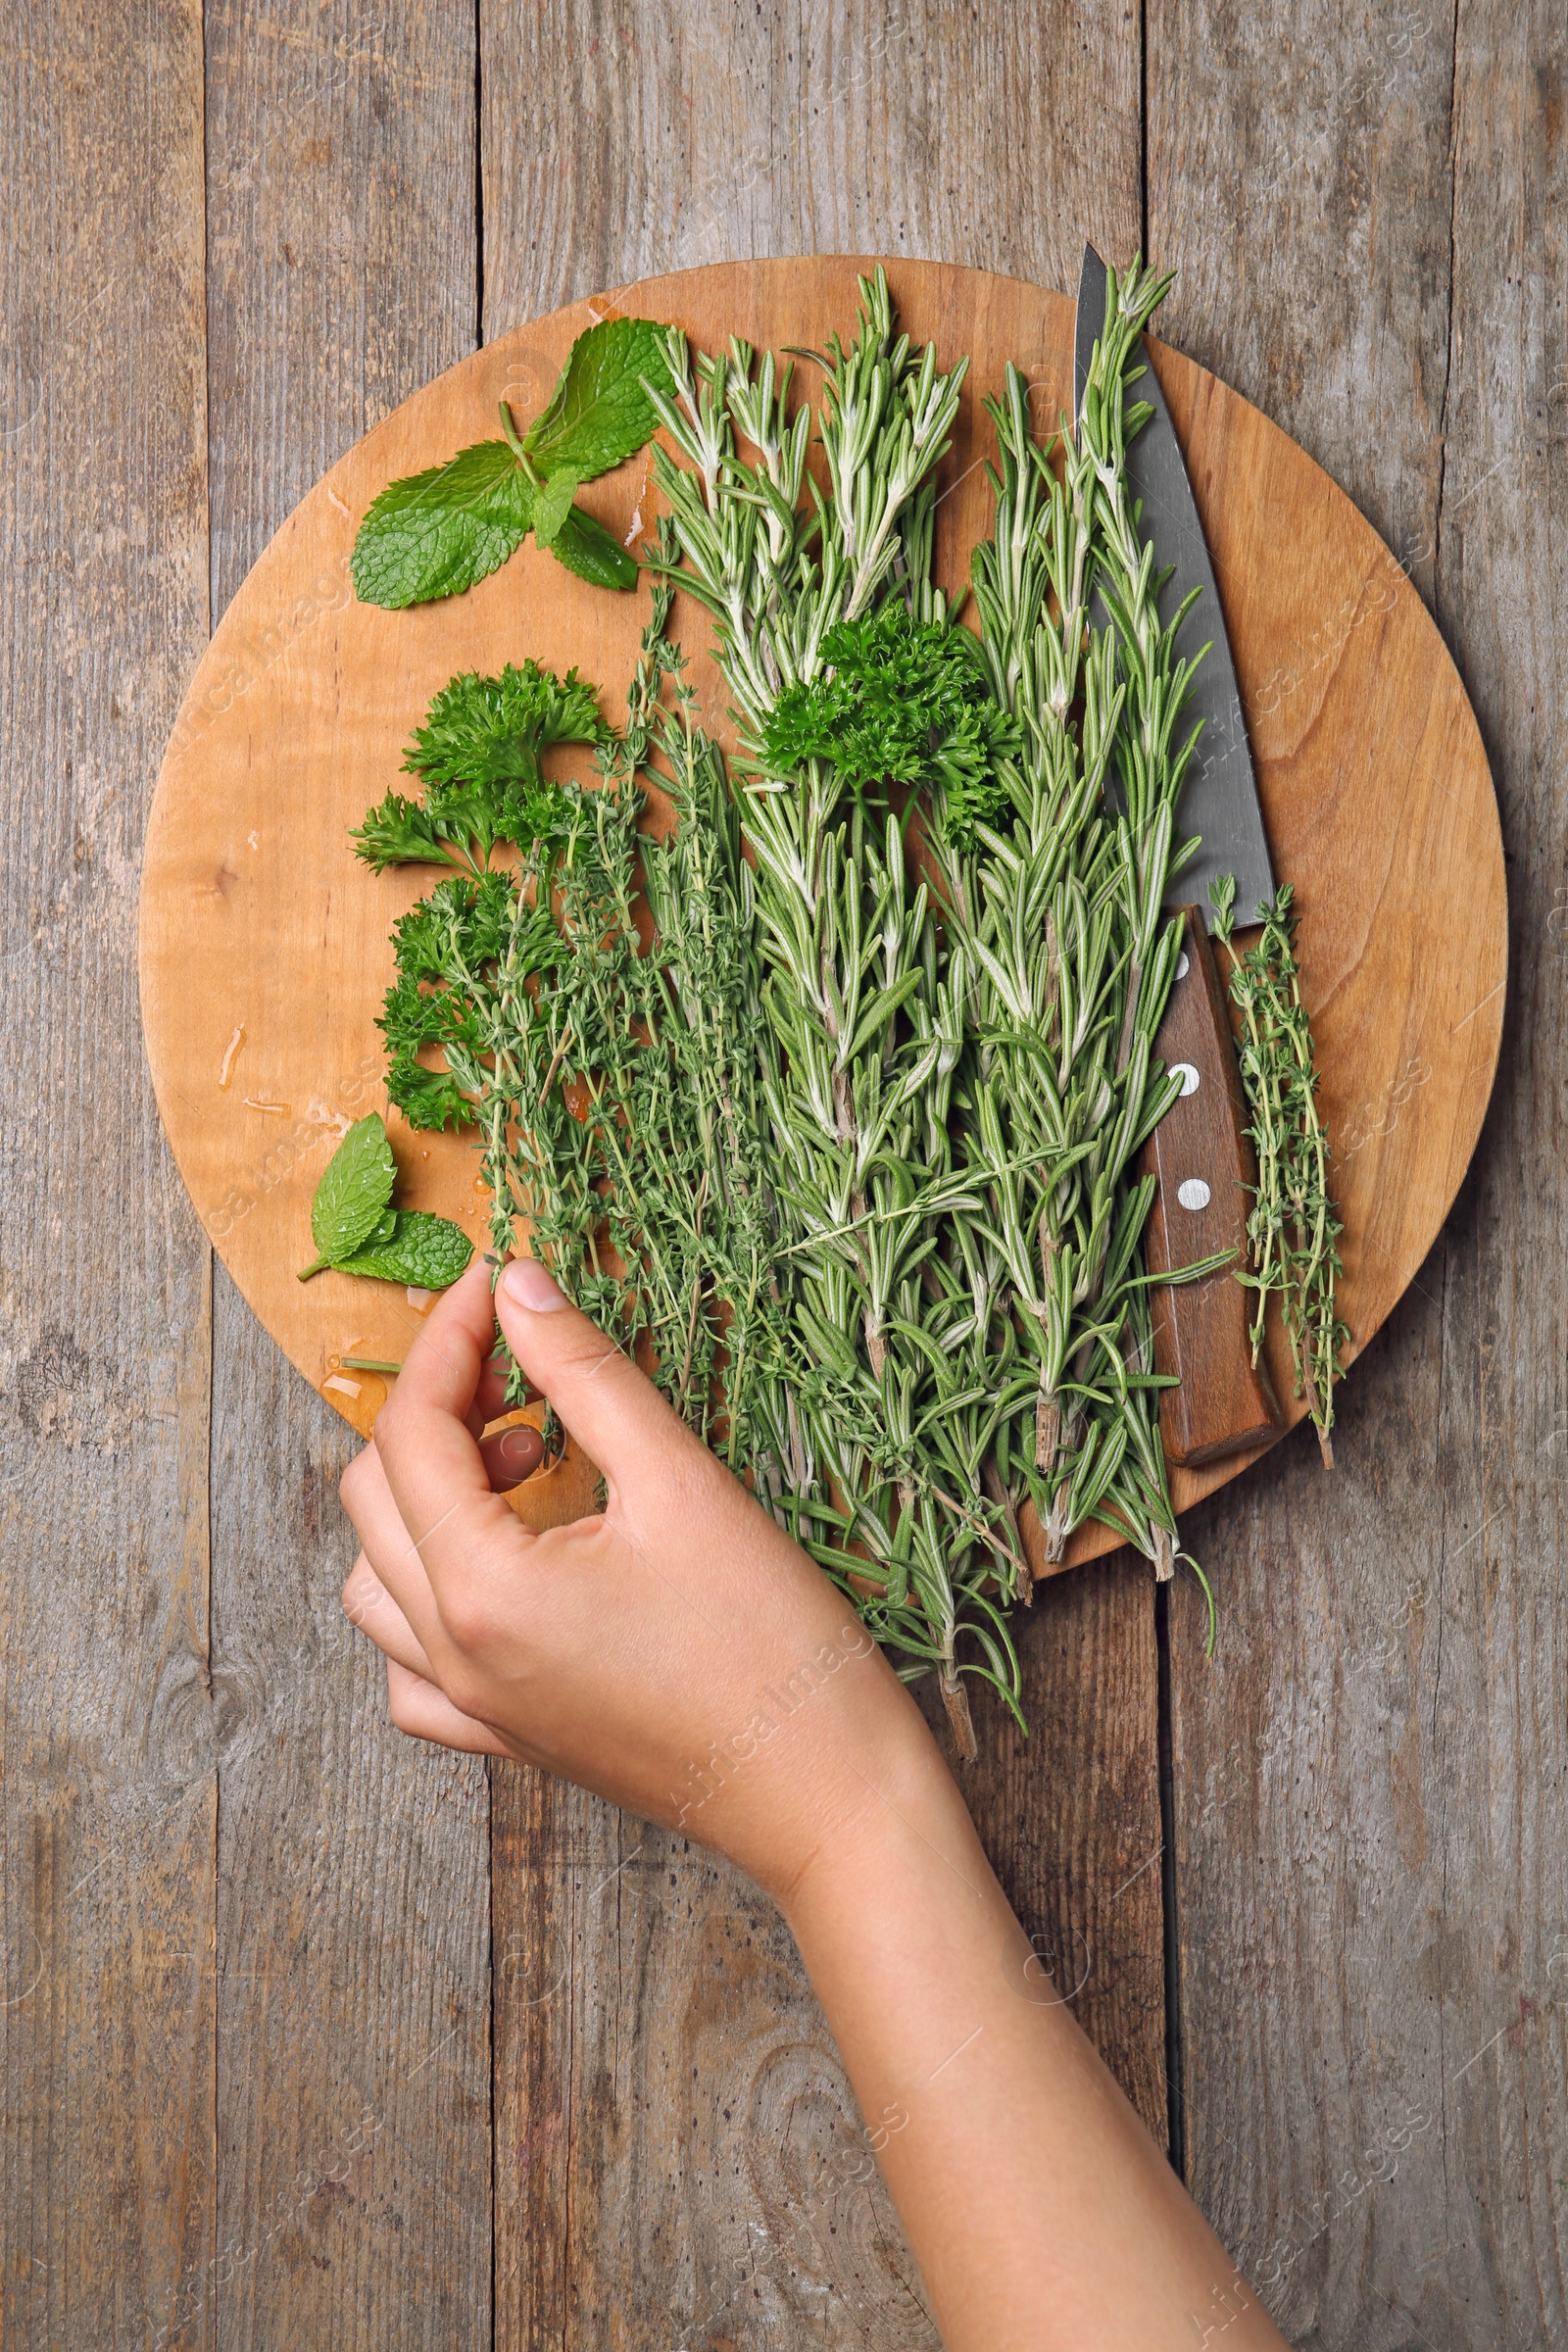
882, 1482
1293, 1232
1071, 955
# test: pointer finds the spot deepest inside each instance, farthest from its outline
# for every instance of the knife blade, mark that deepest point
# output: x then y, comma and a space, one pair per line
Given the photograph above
1219, 797
1199, 1155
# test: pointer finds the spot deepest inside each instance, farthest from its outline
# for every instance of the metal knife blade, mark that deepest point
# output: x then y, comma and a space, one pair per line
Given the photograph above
1219, 797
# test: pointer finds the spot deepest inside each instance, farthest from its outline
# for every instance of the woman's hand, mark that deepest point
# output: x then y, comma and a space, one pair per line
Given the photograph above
684, 1658
679, 1654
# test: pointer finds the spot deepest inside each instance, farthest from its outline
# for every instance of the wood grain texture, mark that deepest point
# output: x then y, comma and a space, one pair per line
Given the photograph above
623, 140
619, 140
1370, 1778
353, 1924
109, 1788
1370, 1828
1070, 1816
678, 2153
1493, 1933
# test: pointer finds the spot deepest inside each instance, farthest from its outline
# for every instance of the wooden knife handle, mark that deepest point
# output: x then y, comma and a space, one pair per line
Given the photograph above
1201, 1157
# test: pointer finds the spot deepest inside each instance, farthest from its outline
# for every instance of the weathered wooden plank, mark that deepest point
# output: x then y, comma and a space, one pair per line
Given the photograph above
620, 140
1370, 1778
108, 1792
671, 2119
352, 1928
1495, 1780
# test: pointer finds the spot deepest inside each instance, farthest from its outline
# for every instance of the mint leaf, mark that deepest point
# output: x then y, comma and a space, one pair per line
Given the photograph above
599, 412
427, 1252
434, 534
551, 506
586, 547
350, 1199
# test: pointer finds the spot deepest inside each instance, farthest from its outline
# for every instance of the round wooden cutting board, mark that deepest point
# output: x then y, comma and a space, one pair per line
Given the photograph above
265, 945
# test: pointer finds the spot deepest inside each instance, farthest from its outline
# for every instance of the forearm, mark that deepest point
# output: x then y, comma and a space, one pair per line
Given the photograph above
1038, 2207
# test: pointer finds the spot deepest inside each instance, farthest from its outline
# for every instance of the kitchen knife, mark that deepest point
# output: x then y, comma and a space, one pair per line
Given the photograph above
1219, 797
1200, 1152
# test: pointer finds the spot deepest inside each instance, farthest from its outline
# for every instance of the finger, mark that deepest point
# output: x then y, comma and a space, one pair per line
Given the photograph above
616, 1414
438, 1480
394, 1560
490, 1398
368, 1605
424, 1712
512, 1455
455, 1345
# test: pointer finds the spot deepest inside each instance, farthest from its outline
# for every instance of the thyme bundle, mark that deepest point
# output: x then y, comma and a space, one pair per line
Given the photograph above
1291, 1230
615, 1092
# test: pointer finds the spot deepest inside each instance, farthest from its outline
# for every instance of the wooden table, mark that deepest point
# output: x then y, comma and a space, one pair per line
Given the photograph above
309, 2038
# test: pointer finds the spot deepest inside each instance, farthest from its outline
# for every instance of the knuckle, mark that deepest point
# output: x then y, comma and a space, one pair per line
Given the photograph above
466, 1614
464, 1686
587, 1354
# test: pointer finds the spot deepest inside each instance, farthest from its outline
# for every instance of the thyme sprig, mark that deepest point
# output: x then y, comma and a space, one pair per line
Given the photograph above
1293, 1232
616, 1092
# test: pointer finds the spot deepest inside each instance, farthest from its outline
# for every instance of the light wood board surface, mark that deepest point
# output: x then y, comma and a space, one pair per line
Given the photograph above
264, 943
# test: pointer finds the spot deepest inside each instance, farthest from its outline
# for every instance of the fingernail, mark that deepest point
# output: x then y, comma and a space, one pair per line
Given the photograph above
518, 1444
528, 1283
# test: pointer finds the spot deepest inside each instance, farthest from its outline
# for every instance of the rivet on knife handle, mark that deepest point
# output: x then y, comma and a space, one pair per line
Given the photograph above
1202, 1161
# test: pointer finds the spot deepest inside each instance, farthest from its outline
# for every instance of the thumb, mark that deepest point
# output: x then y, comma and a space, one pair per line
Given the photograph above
616, 1414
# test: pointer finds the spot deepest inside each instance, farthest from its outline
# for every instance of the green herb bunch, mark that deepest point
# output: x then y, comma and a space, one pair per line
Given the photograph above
825, 613
1291, 1230
849, 1150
